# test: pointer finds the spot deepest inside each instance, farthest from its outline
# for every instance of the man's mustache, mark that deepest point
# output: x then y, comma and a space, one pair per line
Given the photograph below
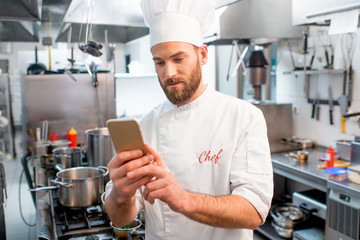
172, 81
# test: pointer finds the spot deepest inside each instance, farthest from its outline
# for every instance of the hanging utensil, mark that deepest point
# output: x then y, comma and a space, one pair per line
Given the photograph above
315, 102
348, 43
331, 106
317, 111
38, 135
36, 68
45, 131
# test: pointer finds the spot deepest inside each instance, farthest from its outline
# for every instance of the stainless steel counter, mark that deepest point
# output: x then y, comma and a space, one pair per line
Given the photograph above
309, 174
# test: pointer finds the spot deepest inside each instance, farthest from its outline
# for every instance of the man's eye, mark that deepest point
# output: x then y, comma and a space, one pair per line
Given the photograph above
159, 63
178, 59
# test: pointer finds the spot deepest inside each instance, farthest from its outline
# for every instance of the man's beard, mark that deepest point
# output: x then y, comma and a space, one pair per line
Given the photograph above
181, 96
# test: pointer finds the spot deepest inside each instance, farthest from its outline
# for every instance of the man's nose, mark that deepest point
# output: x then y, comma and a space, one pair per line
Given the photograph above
170, 70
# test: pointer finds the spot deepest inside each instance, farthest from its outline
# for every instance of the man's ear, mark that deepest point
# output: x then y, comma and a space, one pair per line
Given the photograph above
203, 53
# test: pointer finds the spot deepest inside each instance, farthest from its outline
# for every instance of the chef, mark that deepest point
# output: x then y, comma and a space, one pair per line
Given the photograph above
208, 172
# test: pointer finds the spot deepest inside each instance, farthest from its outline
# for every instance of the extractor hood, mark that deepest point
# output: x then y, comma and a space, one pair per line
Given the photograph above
123, 21
18, 20
24, 10
121, 34
11, 31
254, 21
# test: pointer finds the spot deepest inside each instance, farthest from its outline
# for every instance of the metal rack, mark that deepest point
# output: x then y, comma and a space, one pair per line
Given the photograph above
308, 73
6, 133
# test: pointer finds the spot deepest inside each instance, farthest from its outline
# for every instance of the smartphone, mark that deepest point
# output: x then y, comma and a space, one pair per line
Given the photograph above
126, 135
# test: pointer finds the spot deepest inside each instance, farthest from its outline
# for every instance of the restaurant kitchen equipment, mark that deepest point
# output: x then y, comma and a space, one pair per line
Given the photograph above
279, 123
78, 186
257, 66
55, 221
67, 103
67, 157
313, 200
100, 149
343, 219
288, 217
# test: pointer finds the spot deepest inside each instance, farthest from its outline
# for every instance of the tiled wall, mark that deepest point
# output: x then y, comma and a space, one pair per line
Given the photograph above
291, 89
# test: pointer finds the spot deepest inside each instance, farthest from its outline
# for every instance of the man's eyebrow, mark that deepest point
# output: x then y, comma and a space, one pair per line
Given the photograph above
172, 56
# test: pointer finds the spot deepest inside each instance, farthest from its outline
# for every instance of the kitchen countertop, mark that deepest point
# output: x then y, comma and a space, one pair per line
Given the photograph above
309, 174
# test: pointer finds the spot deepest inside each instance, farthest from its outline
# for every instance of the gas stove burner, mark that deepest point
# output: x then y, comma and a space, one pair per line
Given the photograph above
92, 237
79, 223
94, 210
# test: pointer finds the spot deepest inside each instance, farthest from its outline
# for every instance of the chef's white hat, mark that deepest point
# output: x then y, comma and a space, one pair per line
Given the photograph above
178, 20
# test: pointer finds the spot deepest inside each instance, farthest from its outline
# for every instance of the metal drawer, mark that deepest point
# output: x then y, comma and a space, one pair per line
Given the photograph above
313, 200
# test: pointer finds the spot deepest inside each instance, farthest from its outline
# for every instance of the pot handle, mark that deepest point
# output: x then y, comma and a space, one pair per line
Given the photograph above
105, 169
311, 210
59, 167
293, 156
62, 155
57, 182
43, 188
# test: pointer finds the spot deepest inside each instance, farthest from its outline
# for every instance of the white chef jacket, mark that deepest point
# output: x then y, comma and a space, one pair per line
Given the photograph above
216, 145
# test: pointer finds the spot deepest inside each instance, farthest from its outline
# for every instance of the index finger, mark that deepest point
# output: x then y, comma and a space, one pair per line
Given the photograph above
152, 170
157, 157
123, 157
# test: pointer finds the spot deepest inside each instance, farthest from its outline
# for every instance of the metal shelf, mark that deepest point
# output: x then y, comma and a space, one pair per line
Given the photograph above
268, 231
316, 72
6, 138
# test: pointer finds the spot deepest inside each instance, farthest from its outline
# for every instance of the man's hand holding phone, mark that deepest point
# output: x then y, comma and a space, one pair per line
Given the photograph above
136, 164
131, 154
125, 163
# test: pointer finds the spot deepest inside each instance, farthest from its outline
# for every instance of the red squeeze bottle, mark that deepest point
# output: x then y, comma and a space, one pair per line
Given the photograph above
72, 137
330, 153
54, 136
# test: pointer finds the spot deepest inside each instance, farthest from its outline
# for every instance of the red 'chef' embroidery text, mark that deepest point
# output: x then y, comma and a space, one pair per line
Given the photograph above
207, 156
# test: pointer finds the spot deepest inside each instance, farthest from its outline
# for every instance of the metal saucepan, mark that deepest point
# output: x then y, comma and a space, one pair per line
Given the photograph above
59, 144
67, 157
43, 148
79, 186
288, 215
282, 231
299, 156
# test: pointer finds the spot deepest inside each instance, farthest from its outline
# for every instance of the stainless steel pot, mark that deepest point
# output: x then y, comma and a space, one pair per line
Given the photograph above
79, 186
60, 143
45, 147
288, 215
282, 231
86, 186
42, 148
99, 147
126, 232
67, 157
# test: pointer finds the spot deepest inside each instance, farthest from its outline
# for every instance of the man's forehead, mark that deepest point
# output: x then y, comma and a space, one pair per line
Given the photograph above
167, 49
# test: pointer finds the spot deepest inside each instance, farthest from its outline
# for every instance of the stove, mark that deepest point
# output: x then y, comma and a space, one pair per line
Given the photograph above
75, 222
55, 221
